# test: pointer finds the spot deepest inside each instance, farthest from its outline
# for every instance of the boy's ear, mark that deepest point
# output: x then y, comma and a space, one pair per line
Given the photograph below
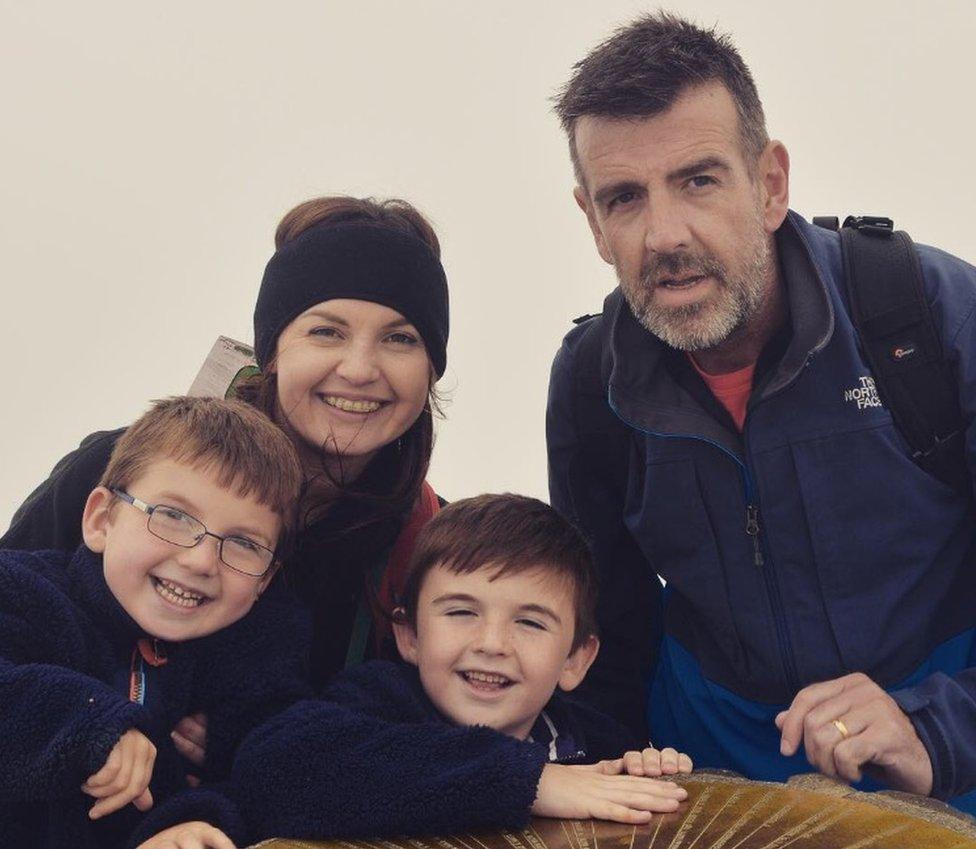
96, 518
406, 636
579, 663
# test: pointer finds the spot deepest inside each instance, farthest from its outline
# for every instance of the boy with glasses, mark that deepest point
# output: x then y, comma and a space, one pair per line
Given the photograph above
103, 651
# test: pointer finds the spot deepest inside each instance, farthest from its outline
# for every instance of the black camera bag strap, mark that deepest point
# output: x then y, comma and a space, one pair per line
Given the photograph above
899, 341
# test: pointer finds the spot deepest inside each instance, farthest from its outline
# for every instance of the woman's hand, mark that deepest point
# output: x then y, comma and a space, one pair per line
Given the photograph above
650, 762
189, 835
585, 792
190, 738
124, 777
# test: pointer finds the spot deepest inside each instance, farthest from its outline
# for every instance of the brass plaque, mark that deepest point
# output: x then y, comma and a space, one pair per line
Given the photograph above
726, 812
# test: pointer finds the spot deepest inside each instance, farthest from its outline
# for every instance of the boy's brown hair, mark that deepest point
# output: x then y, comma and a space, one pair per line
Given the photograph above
243, 448
508, 534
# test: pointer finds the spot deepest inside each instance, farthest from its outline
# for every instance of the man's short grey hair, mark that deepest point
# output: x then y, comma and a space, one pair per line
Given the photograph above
645, 66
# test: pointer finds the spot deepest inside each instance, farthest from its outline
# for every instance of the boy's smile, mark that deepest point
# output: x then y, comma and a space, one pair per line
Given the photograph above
491, 649
176, 593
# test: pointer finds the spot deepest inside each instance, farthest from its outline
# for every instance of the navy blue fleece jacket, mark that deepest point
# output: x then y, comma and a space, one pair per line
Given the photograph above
374, 757
65, 651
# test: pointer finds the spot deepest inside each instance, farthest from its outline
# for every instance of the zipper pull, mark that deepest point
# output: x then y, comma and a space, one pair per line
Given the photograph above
752, 528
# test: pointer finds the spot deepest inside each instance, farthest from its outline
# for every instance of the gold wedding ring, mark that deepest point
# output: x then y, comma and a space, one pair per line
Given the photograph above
839, 725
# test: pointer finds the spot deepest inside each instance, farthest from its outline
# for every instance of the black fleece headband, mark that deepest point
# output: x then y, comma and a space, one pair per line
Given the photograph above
356, 260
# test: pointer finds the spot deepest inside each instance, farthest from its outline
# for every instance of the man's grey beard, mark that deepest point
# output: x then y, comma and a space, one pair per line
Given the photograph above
704, 324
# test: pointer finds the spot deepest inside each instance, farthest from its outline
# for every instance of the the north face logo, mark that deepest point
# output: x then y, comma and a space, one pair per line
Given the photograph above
865, 395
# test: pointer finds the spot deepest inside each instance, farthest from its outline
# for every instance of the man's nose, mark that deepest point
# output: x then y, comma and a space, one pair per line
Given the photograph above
666, 226
358, 364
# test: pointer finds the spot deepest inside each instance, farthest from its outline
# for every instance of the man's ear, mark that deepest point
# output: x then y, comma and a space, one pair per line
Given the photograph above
583, 202
579, 663
774, 175
96, 518
406, 636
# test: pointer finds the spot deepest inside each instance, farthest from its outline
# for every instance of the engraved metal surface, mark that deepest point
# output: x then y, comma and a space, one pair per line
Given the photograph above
727, 812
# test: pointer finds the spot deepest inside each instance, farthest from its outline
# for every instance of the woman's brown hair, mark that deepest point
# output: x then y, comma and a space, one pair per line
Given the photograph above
391, 483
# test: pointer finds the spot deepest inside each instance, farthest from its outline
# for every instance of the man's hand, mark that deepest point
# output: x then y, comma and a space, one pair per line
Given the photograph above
125, 776
189, 835
190, 738
585, 792
850, 726
649, 762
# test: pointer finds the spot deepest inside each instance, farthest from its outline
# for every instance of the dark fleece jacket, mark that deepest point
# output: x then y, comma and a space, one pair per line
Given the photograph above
65, 651
373, 757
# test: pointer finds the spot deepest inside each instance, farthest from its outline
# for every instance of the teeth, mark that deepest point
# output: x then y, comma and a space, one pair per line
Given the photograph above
486, 678
177, 595
352, 406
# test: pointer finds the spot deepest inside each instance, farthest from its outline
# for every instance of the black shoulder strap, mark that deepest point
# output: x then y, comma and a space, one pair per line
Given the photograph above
604, 436
898, 337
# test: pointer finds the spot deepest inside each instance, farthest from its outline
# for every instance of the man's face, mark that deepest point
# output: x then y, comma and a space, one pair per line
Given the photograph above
684, 220
491, 649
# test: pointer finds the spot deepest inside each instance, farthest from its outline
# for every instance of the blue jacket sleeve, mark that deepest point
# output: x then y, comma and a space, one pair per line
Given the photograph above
372, 762
943, 711
58, 725
586, 485
942, 707
251, 671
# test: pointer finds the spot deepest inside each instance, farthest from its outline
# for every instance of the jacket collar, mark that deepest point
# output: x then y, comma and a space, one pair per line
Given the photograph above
86, 575
642, 390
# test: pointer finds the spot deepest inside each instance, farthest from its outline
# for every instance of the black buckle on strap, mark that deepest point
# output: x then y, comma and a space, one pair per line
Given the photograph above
874, 224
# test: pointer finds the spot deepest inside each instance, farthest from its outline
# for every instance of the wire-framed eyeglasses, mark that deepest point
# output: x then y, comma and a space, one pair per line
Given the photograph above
178, 527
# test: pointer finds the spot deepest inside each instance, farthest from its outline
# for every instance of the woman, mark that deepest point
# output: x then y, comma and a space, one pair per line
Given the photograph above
350, 329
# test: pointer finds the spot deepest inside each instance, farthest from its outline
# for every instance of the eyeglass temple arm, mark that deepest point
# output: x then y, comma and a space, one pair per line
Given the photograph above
135, 502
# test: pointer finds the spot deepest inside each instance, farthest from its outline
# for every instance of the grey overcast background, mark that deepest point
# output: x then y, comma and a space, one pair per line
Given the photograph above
149, 149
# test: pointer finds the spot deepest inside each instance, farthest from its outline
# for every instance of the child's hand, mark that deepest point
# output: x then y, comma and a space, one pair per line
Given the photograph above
190, 738
648, 762
189, 835
585, 792
125, 776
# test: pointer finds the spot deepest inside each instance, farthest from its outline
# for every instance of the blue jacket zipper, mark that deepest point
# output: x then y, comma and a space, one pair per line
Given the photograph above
754, 530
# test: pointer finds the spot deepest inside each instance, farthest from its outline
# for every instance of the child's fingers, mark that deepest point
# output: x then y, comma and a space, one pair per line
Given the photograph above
136, 773
144, 801
187, 748
633, 763
621, 813
190, 835
111, 804
651, 759
216, 839
622, 784
190, 738
106, 774
669, 761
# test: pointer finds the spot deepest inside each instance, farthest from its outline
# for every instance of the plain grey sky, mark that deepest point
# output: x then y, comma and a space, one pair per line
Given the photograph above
149, 149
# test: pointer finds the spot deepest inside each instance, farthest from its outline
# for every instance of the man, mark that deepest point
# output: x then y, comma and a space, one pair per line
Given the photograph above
819, 584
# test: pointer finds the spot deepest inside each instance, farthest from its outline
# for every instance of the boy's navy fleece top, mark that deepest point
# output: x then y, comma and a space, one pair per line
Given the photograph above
66, 650
373, 757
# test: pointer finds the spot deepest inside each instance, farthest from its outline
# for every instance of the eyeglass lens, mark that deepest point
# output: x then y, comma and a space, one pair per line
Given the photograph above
177, 527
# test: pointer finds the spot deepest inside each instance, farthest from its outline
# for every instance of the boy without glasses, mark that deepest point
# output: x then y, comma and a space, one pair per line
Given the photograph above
473, 731
103, 651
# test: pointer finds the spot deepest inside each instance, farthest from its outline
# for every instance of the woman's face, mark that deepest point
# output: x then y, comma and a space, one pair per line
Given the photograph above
353, 376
